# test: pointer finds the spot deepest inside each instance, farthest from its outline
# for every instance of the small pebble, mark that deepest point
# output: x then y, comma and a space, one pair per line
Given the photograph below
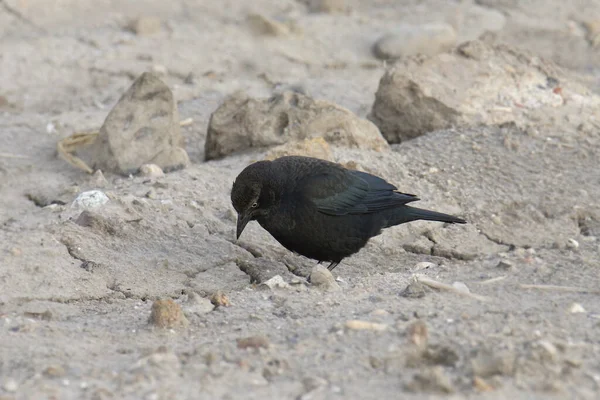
433, 379
167, 314
263, 25
423, 265
505, 265
549, 350
151, 171
481, 385
576, 308
10, 385
327, 6
275, 282
414, 290
358, 325
98, 180
160, 69
89, 200
197, 304
407, 40
54, 371
145, 25
417, 332
253, 342
322, 278
460, 286
572, 244
220, 299
380, 312
311, 383
486, 363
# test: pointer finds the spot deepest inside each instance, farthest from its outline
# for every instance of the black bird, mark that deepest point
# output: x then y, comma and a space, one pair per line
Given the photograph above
320, 209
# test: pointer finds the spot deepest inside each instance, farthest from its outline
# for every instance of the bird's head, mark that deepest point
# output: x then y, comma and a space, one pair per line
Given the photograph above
251, 194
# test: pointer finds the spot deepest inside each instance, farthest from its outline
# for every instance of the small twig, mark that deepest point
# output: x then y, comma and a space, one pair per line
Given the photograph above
186, 122
68, 145
557, 288
492, 280
443, 286
295, 59
8, 155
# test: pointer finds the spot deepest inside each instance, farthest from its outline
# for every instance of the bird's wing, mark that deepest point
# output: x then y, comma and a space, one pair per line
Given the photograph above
340, 192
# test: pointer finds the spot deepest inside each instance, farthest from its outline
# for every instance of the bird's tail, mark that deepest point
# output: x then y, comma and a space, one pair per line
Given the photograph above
407, 214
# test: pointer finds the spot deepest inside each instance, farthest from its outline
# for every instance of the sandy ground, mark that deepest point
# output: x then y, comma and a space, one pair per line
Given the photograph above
75, 300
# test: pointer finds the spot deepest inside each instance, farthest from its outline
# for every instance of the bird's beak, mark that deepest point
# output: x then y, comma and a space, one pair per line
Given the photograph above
242, 221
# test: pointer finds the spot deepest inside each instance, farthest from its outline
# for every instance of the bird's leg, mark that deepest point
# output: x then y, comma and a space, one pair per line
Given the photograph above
332, 265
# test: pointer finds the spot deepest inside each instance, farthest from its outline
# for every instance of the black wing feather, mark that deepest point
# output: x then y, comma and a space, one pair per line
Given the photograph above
341, 192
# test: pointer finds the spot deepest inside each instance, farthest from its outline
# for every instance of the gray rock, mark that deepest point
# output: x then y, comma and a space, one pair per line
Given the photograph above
90, 200
433, 380
260, 270
408, 40
326, 6
198, 305
275, 282
322, 278
242, 122
414, 290
151, 171
487, 363
142, 128
263, 25
474, 85
145, 25
167, 314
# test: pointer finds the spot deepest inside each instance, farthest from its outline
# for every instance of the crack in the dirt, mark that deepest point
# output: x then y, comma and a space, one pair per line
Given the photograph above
499, 242
20, 16
89, 266
408, 247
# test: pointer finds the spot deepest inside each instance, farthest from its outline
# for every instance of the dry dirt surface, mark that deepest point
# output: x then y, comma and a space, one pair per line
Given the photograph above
138, 290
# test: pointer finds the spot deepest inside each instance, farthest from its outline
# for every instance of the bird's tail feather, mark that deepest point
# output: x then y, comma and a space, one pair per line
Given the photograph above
407, 214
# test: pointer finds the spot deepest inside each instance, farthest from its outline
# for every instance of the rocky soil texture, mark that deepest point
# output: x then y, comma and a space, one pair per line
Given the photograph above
123, 125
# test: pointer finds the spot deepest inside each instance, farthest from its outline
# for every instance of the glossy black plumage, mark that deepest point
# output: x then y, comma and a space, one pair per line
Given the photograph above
320, 209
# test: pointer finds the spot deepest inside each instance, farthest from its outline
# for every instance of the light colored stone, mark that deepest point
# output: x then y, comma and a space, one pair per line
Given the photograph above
197, 304
572, 244
253, 342
461, 286
151, 171
322, 278
90, 200
145, 25
432, 379
409, 40
313, 147
167, 314
486, 363
275, 282
478, 84
327, 6
418, 334
142, 128
263, 25
241, 122
577, 308
10, 385
358, 325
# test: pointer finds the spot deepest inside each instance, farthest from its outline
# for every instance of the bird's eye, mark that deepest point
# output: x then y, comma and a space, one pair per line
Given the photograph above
254, 205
